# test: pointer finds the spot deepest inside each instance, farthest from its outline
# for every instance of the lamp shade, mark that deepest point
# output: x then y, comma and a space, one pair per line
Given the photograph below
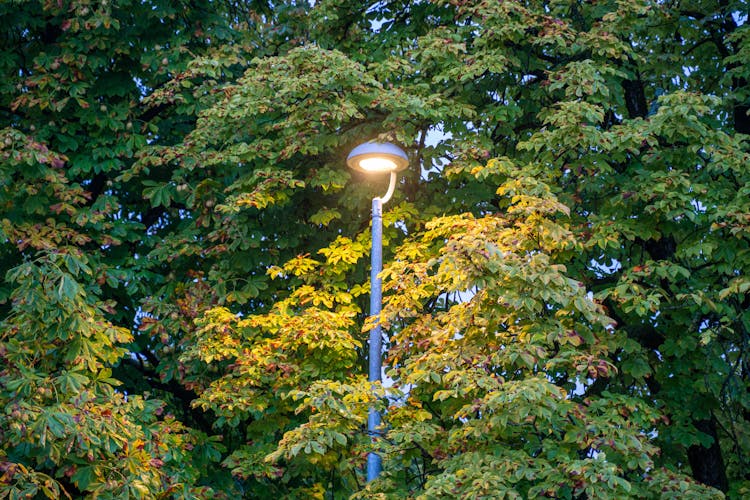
377, 157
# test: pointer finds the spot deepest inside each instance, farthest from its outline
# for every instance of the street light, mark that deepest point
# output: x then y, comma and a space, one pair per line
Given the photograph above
377, 158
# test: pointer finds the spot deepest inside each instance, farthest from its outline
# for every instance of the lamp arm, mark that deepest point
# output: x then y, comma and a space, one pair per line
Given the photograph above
391, 188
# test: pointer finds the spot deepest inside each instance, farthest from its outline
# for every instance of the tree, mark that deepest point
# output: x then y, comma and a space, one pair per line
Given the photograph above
566, 296
79, 84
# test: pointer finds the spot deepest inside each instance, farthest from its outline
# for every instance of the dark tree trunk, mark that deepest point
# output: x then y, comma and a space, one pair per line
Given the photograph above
741, 109
635, 98
741, 119
707, 464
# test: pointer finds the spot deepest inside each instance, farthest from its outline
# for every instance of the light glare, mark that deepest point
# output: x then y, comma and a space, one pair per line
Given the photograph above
377, 164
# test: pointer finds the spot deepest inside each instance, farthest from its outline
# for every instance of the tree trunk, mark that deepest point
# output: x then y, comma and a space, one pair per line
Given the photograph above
635, 98
741, 119
707, 464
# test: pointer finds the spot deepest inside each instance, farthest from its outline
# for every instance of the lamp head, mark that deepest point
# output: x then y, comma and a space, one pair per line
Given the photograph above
377, 157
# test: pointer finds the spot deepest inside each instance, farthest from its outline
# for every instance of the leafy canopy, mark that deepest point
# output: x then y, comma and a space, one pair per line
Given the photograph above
184, 302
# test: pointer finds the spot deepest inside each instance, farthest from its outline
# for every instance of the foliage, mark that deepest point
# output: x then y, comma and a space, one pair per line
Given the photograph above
183, 309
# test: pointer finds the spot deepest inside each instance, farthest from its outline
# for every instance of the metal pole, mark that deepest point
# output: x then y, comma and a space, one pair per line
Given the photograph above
373, 418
